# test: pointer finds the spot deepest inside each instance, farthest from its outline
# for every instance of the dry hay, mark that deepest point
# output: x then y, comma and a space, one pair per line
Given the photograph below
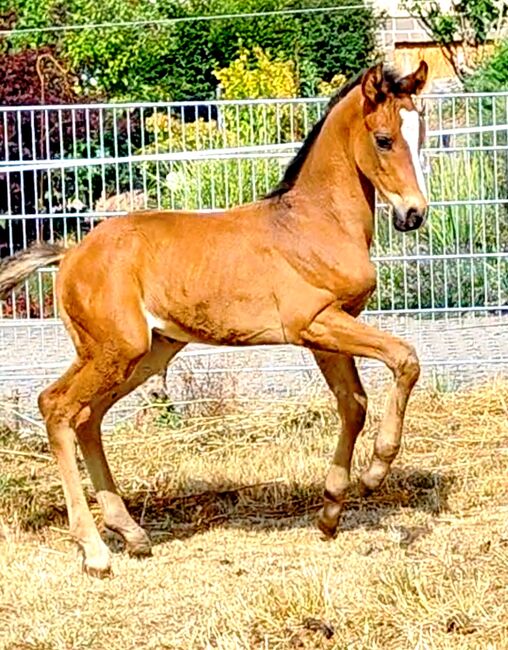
229, 503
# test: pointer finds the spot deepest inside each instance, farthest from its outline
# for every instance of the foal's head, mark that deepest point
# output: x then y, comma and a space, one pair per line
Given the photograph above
387, 146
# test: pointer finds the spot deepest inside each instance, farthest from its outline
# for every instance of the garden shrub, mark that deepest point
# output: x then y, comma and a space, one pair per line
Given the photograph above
492, 74
30, 77
257, 75
223, 183
197, 184
177, 61
34, 77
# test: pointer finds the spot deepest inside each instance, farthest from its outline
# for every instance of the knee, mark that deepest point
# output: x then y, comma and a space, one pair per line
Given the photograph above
51, 406
55, 414
45, 402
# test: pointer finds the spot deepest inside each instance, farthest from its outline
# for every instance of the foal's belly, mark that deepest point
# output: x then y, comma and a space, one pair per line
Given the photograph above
196, 326
168, 328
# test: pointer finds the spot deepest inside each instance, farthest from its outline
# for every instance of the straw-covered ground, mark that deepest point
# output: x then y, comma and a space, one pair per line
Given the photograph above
238, 563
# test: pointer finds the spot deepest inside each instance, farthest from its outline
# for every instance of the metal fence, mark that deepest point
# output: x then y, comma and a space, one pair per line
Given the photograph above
64, 168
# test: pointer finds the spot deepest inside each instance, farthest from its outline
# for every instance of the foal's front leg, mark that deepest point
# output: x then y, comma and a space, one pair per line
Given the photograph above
340, 373
333, 330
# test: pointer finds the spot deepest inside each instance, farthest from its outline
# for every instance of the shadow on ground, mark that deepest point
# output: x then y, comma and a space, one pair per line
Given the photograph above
31, 495
279, 506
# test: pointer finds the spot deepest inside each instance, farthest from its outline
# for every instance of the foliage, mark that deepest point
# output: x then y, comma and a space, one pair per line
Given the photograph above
119, 62
320, 44
177, 61
35, 76
35, 300
455, 228
462, 31
30, 77
204, 184
271, 123
257, 76
492, 74
327, 88
197, 183
171, 134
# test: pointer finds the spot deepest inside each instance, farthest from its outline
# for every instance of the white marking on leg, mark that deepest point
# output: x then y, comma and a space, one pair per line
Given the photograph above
410, 130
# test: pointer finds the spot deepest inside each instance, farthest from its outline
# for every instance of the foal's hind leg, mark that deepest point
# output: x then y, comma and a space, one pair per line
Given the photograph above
88, 430
85, 382
58, 412
340, 372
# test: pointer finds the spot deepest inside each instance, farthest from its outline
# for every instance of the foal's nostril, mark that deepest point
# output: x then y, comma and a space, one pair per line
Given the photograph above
412, 215
410, 219
414, 218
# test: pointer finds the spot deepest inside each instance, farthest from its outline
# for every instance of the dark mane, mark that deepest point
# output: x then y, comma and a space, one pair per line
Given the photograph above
296, 164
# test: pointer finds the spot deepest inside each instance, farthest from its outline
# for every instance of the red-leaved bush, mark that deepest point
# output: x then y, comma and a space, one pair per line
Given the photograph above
29, 78
37, 78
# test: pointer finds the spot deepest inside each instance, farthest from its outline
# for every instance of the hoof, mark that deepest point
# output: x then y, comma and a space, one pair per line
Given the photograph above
96, 558
328, 528
97, 571
137, 542
369, 483
364, 490
140, 548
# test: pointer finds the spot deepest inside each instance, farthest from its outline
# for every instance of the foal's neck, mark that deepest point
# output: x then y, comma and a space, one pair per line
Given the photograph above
330, 178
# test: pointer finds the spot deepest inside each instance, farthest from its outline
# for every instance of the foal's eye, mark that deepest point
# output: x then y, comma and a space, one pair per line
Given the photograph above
383, 142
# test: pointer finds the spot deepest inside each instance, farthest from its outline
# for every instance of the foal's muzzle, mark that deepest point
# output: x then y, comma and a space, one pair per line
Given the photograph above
410, 219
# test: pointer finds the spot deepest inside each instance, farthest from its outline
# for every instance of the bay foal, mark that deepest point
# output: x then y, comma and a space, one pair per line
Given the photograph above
291, 268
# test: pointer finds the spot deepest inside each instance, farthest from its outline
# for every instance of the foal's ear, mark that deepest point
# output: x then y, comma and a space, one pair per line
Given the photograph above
413, 84
373, 85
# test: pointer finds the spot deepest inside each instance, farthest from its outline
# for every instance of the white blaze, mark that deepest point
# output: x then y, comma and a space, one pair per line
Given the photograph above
410, 130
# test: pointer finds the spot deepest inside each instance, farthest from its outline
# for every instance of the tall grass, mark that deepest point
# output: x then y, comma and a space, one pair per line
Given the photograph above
456, 260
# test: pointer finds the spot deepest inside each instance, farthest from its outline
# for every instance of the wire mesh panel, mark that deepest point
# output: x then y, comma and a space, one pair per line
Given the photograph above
65, 168
459, 262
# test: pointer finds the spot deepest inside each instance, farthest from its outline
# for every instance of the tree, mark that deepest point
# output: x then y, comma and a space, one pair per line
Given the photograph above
120, 62
255, 75
492, 73
176, 60
30, 77
35, 76
462, 31
320, 44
